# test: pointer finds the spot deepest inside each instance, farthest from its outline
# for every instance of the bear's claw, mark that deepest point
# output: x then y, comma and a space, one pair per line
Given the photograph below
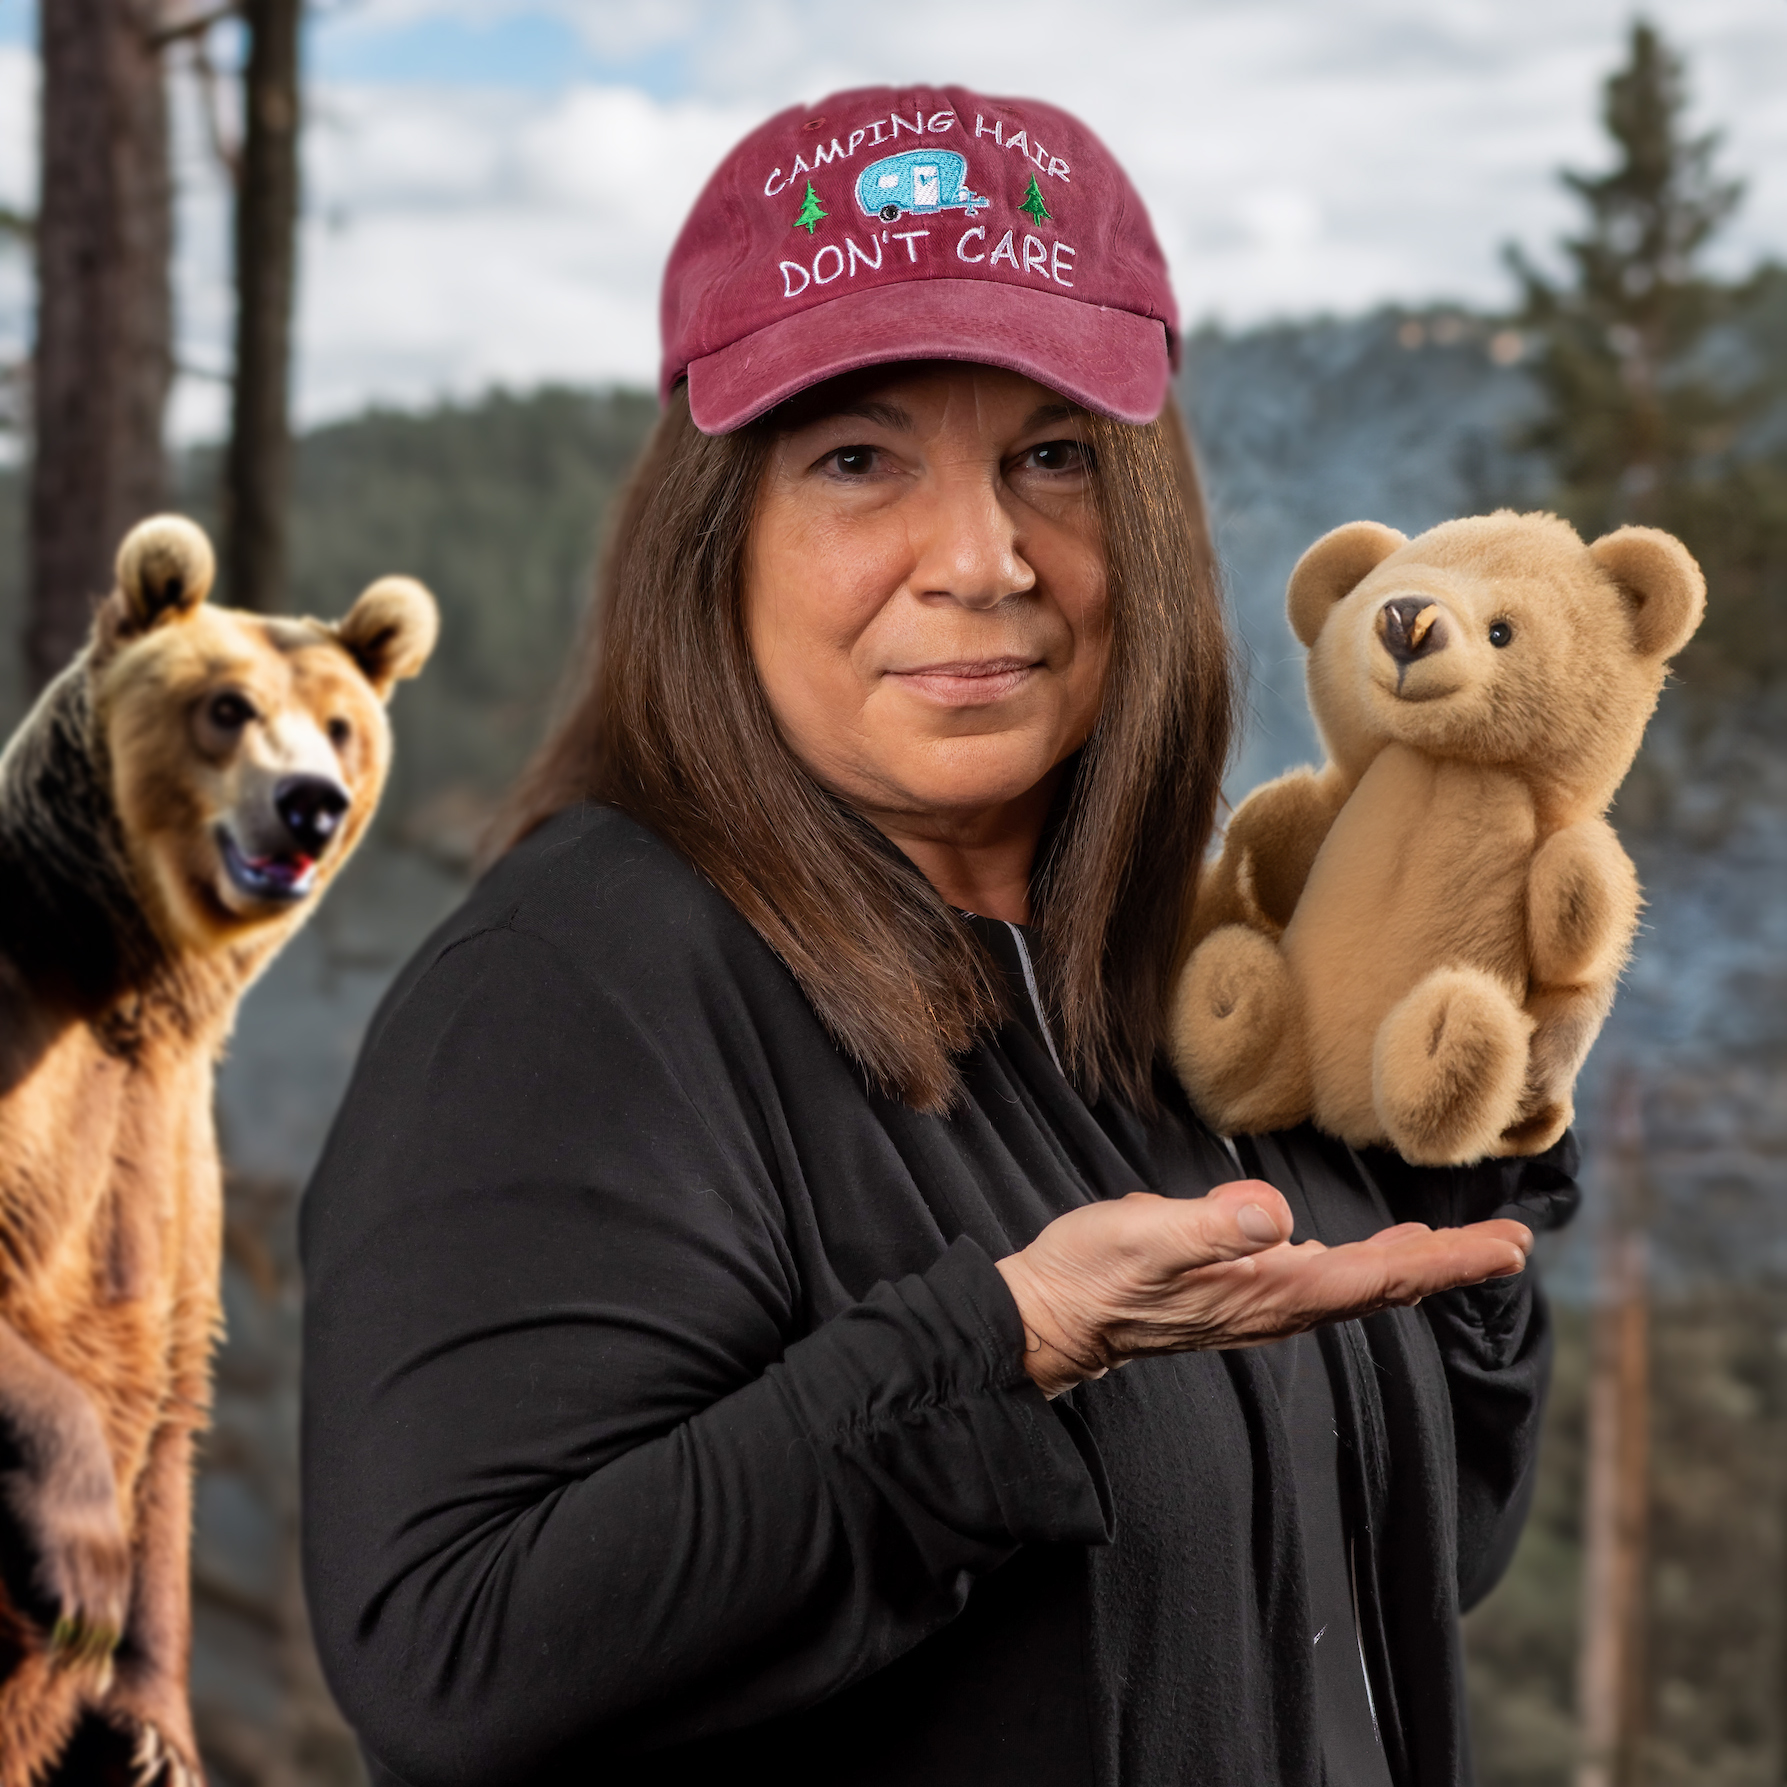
154, 1762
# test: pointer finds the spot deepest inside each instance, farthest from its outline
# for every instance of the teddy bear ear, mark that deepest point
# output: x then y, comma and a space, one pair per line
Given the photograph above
390, 631
1665, 593
165, 568
1332, 569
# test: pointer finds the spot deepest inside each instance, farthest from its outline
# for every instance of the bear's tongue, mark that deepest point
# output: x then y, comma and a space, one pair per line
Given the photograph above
289, 869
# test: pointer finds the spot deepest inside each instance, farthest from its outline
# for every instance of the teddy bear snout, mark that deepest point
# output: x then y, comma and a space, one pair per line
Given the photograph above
1411, 627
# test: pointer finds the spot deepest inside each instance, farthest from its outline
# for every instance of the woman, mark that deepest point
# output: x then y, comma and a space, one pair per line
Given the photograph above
716, 1271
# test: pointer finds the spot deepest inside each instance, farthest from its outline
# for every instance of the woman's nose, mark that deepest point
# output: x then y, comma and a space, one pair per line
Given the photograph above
968, 546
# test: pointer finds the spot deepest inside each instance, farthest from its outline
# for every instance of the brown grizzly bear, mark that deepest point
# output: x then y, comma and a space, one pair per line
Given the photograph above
1416, 944
169, 814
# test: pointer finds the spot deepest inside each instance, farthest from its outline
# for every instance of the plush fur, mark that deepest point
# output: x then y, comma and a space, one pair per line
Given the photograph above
170, 812
1416, 944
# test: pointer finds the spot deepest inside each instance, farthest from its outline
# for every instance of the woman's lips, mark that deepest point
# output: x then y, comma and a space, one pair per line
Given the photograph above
971, 682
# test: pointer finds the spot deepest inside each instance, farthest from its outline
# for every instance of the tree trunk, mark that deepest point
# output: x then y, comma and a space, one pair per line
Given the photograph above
258, 471
104, 348
1611, 1688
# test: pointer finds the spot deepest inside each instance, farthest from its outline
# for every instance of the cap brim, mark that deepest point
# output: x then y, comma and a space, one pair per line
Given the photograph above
1112, 361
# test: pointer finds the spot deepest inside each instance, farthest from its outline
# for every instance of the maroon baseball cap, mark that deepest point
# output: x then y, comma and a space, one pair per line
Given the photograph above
917, 223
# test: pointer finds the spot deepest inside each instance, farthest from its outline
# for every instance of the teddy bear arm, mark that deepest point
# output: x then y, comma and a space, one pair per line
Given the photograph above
1582, 907
1267, 852
1566, 1021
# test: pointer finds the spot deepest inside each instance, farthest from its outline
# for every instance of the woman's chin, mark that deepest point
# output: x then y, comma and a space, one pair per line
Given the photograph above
961, 776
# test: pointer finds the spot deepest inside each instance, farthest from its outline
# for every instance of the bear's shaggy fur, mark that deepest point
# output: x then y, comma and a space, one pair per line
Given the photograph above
1416, 944
169, 813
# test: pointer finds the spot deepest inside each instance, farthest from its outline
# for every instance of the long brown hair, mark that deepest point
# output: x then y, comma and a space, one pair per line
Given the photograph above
665, 718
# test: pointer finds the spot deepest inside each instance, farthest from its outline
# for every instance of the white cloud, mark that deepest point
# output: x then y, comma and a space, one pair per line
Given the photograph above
1298, 155
461, 239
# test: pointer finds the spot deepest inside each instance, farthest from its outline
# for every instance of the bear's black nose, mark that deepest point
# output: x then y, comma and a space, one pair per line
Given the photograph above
311, 808
1411, 627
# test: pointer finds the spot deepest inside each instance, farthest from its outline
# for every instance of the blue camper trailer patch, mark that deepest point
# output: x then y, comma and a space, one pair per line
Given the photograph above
917, 183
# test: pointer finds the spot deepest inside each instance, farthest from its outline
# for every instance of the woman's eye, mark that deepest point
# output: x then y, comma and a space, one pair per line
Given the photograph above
1500, 633
229, 713
1058, 456
853, 462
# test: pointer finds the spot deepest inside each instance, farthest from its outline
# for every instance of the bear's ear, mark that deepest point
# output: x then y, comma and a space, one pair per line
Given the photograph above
390, 631
165, 568
1664, 591
1332, 569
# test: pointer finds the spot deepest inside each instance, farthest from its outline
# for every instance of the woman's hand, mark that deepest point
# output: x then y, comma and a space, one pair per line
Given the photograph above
1143, 1274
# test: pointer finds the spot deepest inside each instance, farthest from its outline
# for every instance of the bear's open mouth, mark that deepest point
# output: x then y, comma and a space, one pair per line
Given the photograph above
266, 877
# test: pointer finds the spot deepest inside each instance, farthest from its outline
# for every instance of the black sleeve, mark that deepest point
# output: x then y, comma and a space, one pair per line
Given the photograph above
578, 1478
1495, 1340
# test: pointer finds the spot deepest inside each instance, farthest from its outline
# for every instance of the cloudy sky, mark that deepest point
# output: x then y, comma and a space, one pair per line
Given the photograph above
491, 185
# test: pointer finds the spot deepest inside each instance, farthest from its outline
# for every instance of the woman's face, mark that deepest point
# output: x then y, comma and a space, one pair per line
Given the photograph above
926, 593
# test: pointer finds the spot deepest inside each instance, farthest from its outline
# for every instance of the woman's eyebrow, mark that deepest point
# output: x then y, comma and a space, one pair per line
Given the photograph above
872, 409
1045, 413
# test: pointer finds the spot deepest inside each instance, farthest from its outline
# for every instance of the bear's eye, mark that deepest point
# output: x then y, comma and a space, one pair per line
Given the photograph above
1500, 633
340, 732
229, 712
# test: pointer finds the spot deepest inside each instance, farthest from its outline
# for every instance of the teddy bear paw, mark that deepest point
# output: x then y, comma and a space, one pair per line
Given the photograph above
1449, 1068
1535, 1130
1236, 1034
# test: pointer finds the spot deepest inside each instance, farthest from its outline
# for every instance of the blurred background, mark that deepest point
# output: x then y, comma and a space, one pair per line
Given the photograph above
369, 285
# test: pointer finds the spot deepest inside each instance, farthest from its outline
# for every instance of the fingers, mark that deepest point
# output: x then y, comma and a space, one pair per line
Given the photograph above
1516, 1233
1384, 1236
1398, 1269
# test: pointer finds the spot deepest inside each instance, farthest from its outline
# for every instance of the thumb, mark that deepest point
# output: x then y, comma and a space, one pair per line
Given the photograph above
1249, 1216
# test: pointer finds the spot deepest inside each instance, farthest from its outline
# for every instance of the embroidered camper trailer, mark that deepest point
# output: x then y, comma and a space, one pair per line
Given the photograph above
917, 183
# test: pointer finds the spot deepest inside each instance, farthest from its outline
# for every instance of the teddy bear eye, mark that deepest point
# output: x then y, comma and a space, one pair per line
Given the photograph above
1500, 633
339, 733
229, 712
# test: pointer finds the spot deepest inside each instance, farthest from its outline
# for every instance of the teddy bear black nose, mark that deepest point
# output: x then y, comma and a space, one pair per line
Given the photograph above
311, 808
1411, 627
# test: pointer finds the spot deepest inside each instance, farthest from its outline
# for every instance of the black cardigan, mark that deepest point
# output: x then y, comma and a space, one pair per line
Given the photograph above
664, 1414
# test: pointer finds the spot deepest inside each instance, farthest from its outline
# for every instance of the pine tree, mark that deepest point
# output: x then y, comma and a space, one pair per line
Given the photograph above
1637, 424
1623, 419
811, 211
1033, 203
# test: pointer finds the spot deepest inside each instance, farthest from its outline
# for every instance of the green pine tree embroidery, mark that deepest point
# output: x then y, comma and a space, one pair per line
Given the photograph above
811, 211
1033, 203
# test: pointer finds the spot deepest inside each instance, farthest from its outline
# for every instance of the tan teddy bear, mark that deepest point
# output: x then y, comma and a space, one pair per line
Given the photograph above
1416, 944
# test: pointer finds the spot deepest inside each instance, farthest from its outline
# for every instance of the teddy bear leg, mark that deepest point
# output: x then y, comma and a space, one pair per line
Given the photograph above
1449, 1068
1236, 1034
